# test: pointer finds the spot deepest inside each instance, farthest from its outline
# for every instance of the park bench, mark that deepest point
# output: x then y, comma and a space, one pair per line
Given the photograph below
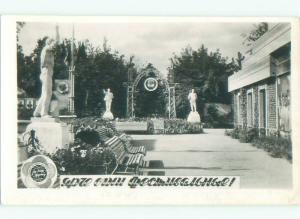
129, 147
127, 163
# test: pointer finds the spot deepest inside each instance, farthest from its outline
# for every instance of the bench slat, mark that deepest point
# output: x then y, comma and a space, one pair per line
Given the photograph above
128, 160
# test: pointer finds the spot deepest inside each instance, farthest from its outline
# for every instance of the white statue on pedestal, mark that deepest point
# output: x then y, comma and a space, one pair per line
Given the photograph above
192, 98
51, 133
194, 116
108, 100
47, 64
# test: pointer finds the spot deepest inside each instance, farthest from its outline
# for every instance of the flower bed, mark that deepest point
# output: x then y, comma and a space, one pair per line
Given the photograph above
276, 146
83, 159
87, 155
181, 126
95, 122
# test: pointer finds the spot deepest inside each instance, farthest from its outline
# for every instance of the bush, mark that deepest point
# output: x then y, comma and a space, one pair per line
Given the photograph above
95, 122
82, 158
276, 146
181, 126
88, 154
233, 133
89, 136
247, 135
212, 119
24, 113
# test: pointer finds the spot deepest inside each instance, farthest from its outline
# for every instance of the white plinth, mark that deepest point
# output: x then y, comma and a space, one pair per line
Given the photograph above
194, 117
108, 115
51, 133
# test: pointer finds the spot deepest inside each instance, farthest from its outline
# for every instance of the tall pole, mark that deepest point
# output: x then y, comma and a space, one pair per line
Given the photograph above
72, 47
57, 34
71, 75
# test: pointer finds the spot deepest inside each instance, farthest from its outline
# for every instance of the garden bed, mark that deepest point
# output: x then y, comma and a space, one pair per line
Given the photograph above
158, 126
88, 154
181, 126
276, 146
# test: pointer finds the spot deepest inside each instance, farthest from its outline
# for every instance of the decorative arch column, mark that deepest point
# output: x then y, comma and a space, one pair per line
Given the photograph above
172, 102
130, 101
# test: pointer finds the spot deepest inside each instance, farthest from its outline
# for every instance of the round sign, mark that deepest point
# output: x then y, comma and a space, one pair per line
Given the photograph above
151, 84
38, 172
63, 87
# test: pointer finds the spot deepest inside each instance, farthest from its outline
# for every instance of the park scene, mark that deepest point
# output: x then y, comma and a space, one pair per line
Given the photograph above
155, 99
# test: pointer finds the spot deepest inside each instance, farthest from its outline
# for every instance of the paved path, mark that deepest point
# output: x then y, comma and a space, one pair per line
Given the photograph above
213, 153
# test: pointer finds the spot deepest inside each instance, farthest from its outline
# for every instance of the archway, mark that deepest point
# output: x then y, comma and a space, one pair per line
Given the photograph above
132, 89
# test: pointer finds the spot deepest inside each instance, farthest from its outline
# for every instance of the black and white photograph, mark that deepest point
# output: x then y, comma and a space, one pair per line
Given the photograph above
168, 103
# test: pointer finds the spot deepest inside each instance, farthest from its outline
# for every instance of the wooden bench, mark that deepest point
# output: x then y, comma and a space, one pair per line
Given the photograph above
127, 163
130, 148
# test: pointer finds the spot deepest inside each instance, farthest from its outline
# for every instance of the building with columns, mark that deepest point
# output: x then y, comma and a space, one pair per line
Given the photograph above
261, 89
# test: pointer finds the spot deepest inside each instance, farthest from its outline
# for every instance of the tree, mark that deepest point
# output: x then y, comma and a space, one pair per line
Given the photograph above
20, 25
28, 69
206, 72
95, 69
258, 31
98, 69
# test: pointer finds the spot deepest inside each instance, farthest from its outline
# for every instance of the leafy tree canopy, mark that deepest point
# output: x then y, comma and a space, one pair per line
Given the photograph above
258, 30
206, 72
96, 69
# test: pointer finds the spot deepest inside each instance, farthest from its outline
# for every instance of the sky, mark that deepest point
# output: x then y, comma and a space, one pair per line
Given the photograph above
148, 42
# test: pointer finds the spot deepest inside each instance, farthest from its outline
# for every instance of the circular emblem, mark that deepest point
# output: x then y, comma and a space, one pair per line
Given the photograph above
151, 84
63, 87
38, 172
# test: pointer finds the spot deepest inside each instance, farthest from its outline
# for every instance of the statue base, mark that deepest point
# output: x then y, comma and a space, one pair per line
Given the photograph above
108, 115
51, 133
194, 117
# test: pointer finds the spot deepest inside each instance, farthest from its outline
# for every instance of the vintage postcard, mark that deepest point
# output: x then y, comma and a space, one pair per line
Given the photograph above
149, 110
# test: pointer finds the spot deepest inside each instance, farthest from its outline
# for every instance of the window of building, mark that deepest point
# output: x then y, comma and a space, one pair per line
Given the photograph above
250, 108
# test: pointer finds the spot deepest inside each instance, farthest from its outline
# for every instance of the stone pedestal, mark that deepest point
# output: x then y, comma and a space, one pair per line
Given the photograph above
194, 117
68, 119
108, 115
51, 133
